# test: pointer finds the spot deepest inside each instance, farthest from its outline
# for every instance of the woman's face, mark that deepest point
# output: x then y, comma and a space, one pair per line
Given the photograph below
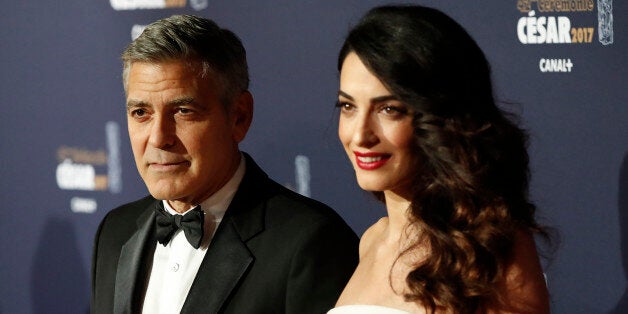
375, 129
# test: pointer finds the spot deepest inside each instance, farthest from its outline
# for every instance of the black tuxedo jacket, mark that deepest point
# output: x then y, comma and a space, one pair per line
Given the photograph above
275, 251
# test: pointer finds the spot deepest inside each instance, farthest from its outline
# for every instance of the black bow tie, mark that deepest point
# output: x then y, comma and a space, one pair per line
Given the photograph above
191, 223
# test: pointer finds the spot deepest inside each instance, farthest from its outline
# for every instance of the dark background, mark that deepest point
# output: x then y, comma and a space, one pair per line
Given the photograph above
60, 85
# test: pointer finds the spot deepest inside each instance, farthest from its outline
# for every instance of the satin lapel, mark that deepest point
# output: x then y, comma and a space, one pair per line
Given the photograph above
228, 258
225, 263
130, 263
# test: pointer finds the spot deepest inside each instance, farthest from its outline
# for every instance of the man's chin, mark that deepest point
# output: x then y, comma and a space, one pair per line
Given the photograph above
164, 194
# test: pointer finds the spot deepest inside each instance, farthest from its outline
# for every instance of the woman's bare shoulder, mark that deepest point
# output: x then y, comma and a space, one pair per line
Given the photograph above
371, 235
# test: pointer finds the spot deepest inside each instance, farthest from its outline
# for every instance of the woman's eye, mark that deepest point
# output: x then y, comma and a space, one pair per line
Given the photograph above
394, 110
344, 106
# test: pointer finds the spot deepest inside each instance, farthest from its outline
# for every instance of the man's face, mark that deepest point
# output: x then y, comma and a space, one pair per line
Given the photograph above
184, 140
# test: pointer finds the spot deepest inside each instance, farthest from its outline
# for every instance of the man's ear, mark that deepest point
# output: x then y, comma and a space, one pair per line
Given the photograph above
242, 115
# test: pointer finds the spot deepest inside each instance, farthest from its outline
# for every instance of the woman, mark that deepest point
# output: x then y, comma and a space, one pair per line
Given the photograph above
422, 130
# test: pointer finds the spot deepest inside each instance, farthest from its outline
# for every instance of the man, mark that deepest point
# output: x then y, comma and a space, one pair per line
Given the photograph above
216, 235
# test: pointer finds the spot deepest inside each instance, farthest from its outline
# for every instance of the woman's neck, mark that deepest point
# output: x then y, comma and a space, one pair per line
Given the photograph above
397, 207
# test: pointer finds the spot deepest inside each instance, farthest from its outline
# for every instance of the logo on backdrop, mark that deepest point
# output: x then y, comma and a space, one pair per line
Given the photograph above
120, 5
81, 169
549, 22
301, 176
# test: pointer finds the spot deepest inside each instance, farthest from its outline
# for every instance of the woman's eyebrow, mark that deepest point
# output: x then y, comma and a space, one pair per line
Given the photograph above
377, 99
384, 98
345, 95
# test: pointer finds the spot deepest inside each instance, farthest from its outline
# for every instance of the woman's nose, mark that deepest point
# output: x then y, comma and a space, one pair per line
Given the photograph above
364, 134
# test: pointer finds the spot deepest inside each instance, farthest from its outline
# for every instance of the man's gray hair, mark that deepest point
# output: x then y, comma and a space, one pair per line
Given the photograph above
190, 38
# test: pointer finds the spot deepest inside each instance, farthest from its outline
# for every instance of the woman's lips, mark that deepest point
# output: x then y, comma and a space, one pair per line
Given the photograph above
370, 160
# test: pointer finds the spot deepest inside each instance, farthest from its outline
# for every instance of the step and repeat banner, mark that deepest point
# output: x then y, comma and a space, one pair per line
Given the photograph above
66, 159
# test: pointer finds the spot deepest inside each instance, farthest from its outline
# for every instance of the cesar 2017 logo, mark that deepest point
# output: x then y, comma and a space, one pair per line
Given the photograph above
550, 29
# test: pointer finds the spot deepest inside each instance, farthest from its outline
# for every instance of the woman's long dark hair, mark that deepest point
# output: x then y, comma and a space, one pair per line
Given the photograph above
470, 194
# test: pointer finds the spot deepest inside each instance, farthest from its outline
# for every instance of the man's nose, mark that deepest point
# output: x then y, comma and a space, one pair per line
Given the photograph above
162, 132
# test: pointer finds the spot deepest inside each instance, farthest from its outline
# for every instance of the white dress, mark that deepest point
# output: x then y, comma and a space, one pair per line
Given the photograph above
365, 309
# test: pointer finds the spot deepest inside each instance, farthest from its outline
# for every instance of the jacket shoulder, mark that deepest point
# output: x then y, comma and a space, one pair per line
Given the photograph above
291, 204
121, 221
129, 212
132, 209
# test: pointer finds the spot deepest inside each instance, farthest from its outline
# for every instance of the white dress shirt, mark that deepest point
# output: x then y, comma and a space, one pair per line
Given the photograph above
175, 265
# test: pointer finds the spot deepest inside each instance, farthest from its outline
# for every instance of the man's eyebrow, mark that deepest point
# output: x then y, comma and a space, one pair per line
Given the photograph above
182, 101
175, 102
136, 104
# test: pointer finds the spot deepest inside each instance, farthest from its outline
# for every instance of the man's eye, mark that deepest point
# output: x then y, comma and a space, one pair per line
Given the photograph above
138, 113
184, 110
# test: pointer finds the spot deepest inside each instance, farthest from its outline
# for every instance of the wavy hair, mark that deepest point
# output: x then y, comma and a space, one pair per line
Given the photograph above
470, 195
192, 38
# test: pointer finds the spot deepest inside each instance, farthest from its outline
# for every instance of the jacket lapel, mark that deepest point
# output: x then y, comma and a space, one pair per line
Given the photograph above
228, 257
225, 263
131, 264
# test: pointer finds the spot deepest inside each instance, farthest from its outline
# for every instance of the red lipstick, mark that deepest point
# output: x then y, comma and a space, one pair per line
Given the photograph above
371, 160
